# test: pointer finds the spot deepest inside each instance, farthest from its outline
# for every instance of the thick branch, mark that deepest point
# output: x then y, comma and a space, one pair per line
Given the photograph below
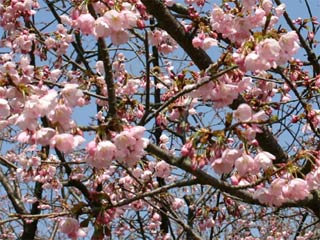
311, 202
202, 177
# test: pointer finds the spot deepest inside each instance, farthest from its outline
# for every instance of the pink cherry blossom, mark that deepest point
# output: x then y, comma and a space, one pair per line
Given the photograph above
163, 41
43, 136
264, 196
105, 150
243, 113
264, 159
277, 186
71, 227
130, 145
72, 94
280, 9
129, 19
52, 65
267, 6
203, 41
226, 163
169, 3
296, 189
260, 116
250, 133
274, 195
313, 179
100, 67
102, 154
246, 165
178, 203
66, 142
4, 109
54, 74
253, 63
268, 49
91, 148
247, 4
119, 37
24, 137
124, 140
114, 20
101, 28
289, 43
162, 169
61, 115
86, 23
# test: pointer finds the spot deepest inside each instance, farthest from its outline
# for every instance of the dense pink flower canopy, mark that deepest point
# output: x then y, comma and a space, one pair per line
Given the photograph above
151, 119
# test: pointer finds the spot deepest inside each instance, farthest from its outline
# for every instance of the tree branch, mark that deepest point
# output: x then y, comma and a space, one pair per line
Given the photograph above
16, 202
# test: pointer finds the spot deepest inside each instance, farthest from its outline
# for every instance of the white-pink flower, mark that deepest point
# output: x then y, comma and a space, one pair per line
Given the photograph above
267, 6
43, 136
72, 94
4, 109
91, 148
289, 43
163, 169
253, 62
124, 140
105, 150
178, 203
226, 163
61, 115
268, 49
71, 227
246, 165
85, 22
169, 3
243, 113
130, 145
119, 37
296, 189
114, 20
264, 159
203, 41
103, 154
272, 196
129, 19
66, 142
101, 28
280, 9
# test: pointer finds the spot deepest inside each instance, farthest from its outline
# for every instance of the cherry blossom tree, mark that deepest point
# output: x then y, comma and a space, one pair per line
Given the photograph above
159, 119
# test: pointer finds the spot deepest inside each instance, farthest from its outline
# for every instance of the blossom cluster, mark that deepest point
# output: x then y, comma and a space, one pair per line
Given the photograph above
127, 147
243, 162
11, 11
163, 41
282, 189
58, 113
237, 27
223, 91
269, 53
112, 24
204, 41
59, 41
